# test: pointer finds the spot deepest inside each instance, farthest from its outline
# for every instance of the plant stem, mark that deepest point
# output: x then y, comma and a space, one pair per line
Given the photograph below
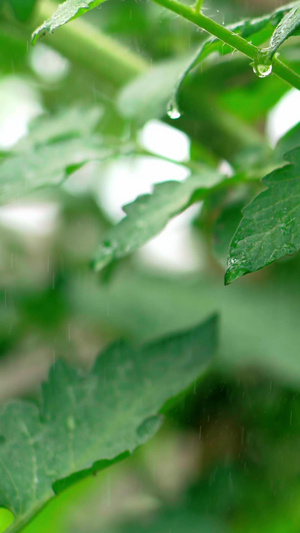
82, 43
198, 6
224, 34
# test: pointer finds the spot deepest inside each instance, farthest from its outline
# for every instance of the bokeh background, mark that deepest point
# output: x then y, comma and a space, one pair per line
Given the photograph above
228, 456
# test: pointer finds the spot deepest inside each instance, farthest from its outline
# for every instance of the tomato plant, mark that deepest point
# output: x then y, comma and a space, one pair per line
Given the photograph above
141, 392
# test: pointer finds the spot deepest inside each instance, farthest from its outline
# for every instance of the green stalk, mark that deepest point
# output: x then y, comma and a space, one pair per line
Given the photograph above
224, 34
84, 44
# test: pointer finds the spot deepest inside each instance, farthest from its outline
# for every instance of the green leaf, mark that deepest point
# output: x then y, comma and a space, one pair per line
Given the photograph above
152, 94
284, 30
223, 229
87, 421
69, 122
150, 213
69, 10
270, 227
148, 96
288, 142
47, 165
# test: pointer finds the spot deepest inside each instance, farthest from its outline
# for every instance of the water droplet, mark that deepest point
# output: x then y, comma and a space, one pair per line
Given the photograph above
232, 261
173, 112
149, 427
262, 71
262, 65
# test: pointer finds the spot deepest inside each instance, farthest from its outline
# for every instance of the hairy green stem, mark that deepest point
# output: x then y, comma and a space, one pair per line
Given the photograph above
224, 34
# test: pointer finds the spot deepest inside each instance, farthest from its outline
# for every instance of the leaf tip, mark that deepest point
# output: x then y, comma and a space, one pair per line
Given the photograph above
39, 32
105, 254
232, 273
99, 262
228, 278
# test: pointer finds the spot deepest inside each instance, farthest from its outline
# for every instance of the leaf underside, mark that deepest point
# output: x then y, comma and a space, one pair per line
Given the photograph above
85, 420
270, 227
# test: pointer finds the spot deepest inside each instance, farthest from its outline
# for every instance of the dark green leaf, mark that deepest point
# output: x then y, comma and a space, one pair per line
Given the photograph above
149, 214
223, 229
86, 421
270, 227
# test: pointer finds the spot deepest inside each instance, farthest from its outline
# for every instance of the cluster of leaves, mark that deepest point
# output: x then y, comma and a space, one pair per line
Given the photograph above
85, 421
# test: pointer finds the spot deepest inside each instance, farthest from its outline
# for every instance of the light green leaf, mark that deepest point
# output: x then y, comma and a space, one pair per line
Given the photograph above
270, 227
150, 213
47, 165
148, 96
69, 122
69, 10
287, 26
87, 421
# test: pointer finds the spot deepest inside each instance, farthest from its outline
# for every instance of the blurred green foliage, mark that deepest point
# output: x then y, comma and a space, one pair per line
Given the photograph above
227, 458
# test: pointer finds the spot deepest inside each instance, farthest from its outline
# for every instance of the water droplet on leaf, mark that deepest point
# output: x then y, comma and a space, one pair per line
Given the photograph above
149, 427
